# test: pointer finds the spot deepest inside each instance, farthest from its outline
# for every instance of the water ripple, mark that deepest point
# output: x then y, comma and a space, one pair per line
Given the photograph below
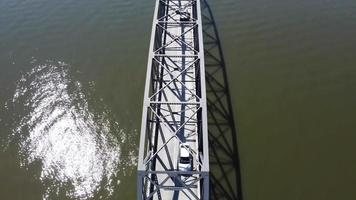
75, 145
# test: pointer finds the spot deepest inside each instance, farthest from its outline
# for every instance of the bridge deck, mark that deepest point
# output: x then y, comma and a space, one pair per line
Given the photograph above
174, 106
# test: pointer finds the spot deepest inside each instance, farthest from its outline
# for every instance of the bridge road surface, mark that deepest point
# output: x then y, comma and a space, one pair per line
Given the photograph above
176, 92
174, 110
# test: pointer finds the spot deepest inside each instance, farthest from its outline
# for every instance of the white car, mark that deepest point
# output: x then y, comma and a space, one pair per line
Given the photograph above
185, 159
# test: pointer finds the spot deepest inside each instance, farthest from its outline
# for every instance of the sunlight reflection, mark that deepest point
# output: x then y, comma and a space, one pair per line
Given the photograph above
75, 145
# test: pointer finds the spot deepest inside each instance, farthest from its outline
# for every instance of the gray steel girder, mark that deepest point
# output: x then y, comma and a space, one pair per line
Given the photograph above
174, 107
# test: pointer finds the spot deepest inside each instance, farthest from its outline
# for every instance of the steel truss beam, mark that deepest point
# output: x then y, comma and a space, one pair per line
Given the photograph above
174, 110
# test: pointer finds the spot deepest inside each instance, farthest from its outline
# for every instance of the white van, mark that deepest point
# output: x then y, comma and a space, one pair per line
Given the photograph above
185, 159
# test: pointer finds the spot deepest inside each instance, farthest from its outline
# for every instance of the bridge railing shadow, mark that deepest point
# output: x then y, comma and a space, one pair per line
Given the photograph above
225, 181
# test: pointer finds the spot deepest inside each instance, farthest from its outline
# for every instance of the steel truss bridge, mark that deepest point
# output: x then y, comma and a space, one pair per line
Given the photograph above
175, 107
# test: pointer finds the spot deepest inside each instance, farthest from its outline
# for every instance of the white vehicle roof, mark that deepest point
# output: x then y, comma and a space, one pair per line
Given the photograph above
183, 151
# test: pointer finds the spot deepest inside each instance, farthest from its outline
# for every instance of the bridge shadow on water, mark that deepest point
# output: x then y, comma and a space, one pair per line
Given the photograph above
225, 181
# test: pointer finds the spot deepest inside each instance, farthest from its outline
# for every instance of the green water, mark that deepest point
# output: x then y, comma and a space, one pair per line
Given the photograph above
71, 87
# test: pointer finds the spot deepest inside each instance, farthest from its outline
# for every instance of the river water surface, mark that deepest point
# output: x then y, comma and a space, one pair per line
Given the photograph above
71, 87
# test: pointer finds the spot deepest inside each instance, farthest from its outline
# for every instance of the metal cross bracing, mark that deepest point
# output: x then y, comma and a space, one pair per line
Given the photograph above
174, 110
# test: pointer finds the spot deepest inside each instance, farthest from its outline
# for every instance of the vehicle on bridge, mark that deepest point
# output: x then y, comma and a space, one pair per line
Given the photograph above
185, 159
